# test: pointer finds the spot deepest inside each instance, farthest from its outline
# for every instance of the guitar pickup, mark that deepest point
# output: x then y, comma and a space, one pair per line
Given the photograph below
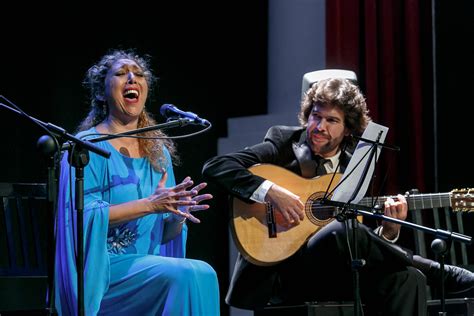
271, 224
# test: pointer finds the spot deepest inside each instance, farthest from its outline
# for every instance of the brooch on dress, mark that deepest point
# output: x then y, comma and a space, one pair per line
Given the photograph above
119, 240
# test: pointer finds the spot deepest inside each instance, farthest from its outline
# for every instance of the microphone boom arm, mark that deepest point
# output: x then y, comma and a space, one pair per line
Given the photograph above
170, 124
377, 212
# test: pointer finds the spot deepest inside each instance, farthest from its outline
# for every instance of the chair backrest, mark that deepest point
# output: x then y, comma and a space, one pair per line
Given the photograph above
312, 77
25, 228
448, 218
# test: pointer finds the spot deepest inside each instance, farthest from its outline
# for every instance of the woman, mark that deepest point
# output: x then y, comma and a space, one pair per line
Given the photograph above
134, 213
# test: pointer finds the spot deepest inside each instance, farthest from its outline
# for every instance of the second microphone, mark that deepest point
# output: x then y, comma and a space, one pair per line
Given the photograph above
169, 111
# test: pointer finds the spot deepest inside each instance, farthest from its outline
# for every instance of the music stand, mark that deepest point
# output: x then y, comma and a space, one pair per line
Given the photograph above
353, 187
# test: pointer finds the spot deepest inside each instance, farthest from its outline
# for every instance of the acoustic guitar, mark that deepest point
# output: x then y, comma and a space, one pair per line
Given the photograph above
262, 240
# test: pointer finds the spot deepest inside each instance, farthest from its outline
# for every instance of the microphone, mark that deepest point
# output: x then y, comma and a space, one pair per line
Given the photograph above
169, 110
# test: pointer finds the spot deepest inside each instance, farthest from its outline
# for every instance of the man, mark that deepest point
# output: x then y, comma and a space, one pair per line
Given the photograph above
331, 111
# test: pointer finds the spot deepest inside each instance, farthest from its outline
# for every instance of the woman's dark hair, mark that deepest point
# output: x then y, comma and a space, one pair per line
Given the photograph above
95, 83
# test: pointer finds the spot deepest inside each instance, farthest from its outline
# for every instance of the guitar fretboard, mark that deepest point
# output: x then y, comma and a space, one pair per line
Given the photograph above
415, 201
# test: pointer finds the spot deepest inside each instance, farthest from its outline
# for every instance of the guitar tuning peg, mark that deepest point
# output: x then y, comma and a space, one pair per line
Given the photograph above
464, 191
462, 200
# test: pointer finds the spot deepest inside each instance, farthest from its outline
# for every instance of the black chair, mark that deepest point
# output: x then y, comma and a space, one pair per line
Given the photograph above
25, 229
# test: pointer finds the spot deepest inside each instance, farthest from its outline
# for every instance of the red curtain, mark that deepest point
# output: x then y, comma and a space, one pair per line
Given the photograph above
388, 44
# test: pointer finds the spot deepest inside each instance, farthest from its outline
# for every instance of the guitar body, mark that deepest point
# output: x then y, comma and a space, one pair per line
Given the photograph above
249, 224
262, 239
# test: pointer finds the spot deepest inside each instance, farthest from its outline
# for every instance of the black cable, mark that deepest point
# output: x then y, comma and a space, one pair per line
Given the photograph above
149, 137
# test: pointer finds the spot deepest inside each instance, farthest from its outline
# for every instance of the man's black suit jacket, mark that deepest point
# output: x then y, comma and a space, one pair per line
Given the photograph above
252, 286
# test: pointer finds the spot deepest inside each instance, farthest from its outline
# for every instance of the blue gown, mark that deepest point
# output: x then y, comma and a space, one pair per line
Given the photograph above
127, 268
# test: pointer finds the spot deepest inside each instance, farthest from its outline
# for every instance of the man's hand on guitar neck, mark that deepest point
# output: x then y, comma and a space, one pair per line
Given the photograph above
289, 205
397, 209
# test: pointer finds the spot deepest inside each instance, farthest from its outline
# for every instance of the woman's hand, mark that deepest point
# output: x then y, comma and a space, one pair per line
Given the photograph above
197, 199
178, 200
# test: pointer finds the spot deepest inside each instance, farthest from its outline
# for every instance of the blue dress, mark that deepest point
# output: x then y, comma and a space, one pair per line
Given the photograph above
127, 268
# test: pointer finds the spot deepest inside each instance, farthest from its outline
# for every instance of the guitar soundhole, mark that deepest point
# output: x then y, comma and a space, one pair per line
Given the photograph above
317, 213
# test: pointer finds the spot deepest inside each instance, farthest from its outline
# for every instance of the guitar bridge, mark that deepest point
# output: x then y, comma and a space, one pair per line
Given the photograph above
271, 224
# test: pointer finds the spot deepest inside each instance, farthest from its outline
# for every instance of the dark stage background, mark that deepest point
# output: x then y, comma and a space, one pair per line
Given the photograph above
211, 61
213, 64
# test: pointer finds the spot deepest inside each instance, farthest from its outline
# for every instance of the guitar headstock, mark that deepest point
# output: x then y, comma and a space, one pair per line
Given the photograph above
462, 200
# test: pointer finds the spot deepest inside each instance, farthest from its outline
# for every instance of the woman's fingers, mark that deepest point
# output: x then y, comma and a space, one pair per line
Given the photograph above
186, 183
163, 179
200, 186
186, 215
198, 207
202, 197
184, 202
183, 194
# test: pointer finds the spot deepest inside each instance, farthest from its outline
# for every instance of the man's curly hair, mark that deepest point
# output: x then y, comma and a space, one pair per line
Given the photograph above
343, 94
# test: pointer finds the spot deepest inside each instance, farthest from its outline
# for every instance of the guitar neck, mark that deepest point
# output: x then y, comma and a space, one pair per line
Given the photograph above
415, 201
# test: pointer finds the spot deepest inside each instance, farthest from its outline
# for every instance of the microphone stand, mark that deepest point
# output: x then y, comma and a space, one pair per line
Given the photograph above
49, 147
375, 213
80, 162
178, 122
347, 212
352, 210
356, 263
438, 245
79, 159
